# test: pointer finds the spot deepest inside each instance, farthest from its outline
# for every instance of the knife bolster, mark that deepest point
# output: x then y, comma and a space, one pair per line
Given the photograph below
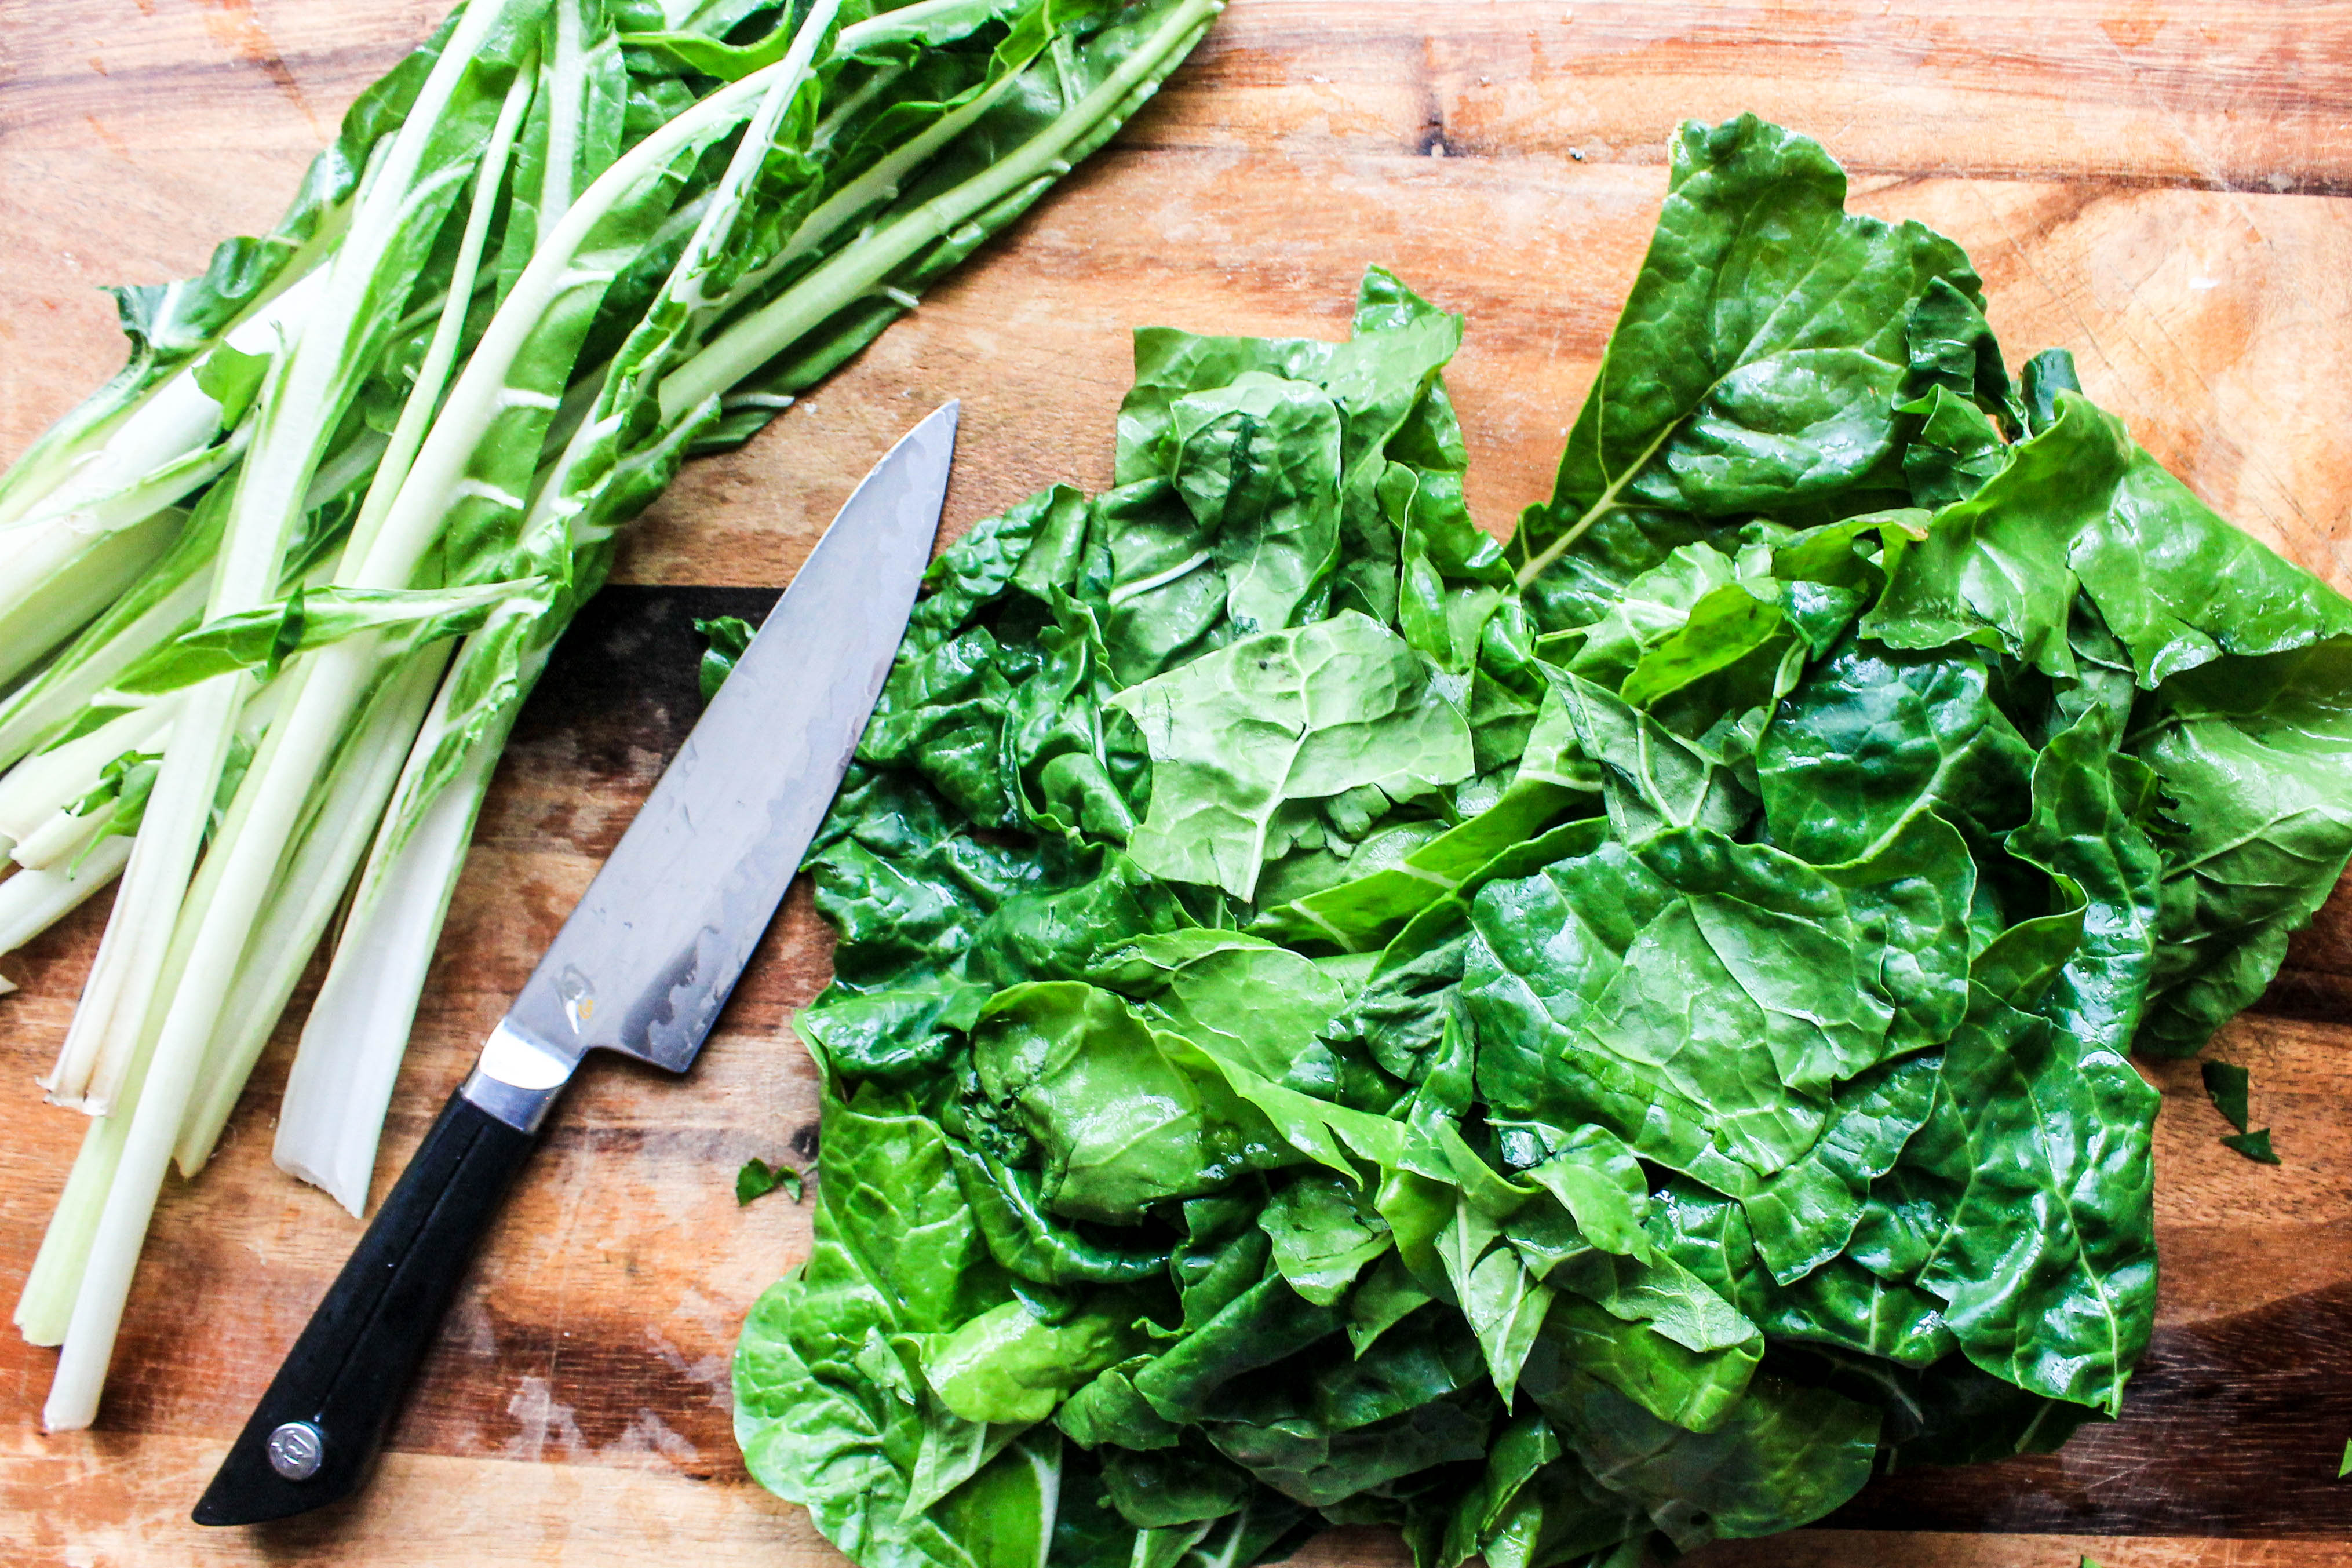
517, 1078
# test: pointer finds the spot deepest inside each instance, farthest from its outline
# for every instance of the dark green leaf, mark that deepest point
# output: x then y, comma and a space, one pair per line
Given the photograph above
232, 379
2066, 1316
1669, 1016
1718, 977
2047, 374
2083, 830
2252, 754
1125, 1115
1008, 1365
1761, 358
2081, 504
1170, 1486
1323, 1237
1265, 1324
1870, 736
1109, 1410
1783, 1456
828, 1413
1954, 453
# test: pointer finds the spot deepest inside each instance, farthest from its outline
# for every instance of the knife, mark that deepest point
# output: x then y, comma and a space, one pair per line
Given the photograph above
641, 968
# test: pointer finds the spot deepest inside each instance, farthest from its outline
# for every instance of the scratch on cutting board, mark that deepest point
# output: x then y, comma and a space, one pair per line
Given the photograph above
542, 1416
649, 1437
235, 26
711, 1370
470, 1326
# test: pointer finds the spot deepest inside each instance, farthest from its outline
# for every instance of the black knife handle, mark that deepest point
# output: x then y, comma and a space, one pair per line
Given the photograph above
313, 1435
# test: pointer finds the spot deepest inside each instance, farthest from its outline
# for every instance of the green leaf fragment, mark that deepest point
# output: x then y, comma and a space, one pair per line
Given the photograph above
726, 637
2254, 1145
232, 379
757, 1179
2225, 1084
1322, 1237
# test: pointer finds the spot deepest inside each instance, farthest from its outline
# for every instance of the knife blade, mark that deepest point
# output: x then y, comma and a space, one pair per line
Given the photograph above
641, 968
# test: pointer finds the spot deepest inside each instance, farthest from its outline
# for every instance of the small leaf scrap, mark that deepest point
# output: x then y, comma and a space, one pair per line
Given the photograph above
757, 1179
727, 636
2225, 1083
2254, 1145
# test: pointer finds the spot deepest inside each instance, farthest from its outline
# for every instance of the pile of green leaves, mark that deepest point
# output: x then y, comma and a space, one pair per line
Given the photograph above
1556, 1047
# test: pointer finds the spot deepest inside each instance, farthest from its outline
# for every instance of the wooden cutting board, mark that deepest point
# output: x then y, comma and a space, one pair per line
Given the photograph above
2161, 187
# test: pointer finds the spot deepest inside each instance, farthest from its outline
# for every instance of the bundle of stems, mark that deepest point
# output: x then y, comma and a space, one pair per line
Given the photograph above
275, 593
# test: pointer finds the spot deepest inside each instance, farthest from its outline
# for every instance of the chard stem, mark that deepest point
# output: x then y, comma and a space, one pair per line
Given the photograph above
567, 93
878, 184
854, 272
304, 897
441, 354
414, 516
36, 899
76, 576
63, 836
332, 1119
94, 1064
45, 1306
302, 400
335, 1105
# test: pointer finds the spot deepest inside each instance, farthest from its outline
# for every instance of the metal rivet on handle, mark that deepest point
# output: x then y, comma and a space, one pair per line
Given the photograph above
294, 1450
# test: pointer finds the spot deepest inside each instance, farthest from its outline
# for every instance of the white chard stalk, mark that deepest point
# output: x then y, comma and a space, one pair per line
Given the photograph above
271, 599
301, 402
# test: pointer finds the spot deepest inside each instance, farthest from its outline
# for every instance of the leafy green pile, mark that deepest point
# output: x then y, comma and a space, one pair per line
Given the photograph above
1547, 1046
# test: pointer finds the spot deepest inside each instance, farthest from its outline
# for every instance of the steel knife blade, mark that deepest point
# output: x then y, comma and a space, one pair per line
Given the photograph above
650, 954
642, 968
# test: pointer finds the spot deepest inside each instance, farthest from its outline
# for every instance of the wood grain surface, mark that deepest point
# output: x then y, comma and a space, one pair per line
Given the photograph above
2164, 188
